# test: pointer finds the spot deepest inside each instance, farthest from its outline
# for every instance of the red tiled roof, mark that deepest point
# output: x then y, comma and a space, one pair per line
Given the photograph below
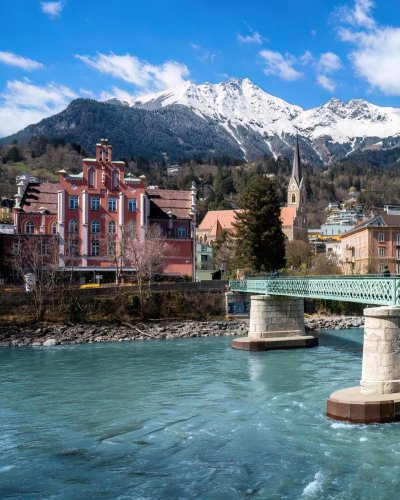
287, 216
223, 218
40, 195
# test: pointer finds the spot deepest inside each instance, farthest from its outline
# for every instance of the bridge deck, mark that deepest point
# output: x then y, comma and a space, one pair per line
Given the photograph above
371, 290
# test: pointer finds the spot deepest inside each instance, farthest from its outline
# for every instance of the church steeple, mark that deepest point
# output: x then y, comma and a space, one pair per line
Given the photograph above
296, 170
296, 192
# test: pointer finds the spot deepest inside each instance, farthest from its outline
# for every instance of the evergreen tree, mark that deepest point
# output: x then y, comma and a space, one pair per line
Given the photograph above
260, 242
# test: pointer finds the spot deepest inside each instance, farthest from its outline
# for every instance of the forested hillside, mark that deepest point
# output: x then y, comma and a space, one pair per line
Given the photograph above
220, 183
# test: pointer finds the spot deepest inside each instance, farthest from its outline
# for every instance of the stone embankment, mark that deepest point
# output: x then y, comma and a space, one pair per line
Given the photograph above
87, 333
333, 322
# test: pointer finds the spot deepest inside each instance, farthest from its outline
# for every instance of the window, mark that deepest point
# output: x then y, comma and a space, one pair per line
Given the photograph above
181, 232
398, 239
54, 228
95, 226
16, 248
45, 247
92, 177
112, 227
112, 204
111, 248
381, 267
73, 226
95, 248
132, 205
73, 248
95, 202
73, 202
115, 178
381, 252
29, 227
381, 237
293, 198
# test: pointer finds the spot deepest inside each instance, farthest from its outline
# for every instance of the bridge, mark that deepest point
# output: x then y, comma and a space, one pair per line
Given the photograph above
277, 322
372, 290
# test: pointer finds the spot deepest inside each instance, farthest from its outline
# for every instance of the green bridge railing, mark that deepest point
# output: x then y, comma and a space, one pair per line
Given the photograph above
373, 290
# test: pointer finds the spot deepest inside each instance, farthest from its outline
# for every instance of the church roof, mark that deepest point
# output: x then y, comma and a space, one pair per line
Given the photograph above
288, 215
218, 220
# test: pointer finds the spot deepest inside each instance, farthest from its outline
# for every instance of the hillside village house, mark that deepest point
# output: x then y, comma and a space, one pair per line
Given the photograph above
90, 211
293, 216
369, 247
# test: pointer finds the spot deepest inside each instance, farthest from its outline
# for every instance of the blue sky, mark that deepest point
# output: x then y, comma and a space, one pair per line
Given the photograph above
302, 51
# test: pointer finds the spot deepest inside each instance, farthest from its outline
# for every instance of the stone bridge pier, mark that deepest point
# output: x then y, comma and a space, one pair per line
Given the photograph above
276, 322
377, 398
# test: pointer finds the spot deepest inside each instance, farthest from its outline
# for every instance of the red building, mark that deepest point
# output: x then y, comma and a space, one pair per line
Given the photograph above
92, 210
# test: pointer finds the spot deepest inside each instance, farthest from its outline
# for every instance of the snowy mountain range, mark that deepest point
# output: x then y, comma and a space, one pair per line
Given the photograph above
260, 121
235, 118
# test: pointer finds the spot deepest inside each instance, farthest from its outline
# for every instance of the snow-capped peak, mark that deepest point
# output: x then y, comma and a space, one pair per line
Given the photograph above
239, 105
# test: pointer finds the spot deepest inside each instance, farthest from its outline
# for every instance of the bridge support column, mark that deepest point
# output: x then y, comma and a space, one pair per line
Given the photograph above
377, 399
275, 323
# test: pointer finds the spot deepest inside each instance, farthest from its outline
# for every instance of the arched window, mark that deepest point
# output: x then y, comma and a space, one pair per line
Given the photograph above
95, 226
29, 227
293, 198
95, 248
181, 232
54, 228
112, 227
92, 177
115, 178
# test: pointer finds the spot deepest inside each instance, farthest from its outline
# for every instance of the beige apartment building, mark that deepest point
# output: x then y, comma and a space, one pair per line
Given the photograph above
374, 245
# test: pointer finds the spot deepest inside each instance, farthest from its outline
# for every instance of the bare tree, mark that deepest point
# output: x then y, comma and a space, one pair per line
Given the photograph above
148, 256
37, 256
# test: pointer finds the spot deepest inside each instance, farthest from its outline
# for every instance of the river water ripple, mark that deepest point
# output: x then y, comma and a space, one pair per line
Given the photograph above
188, 418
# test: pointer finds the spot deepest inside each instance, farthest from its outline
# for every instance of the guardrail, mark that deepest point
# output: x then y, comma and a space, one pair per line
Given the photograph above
373, 290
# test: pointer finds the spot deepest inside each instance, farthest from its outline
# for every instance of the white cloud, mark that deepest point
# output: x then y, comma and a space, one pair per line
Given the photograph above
203, 54
329, 62
280, 65
23, 103
148, 77
19, 61
118, 93
52, 9
307, 58
377, 59
326, 82
376, 53
254, 38
359, 16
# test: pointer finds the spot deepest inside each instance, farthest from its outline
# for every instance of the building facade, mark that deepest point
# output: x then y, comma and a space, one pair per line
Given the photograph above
373, 246
93, 212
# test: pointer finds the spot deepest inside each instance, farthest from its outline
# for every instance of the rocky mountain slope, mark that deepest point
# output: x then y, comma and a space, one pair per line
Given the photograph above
235, 118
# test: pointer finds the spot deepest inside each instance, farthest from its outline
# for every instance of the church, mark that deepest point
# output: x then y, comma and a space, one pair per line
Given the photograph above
293, 215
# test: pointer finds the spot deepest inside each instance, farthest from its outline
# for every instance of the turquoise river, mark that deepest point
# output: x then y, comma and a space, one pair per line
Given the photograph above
188, 418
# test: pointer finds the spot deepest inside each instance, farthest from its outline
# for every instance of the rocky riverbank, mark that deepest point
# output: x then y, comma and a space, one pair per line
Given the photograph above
55, 334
